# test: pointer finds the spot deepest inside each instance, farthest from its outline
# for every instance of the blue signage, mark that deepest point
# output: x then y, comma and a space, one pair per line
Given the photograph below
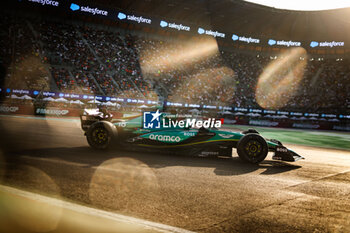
163, 24
201, 30
313, 44
74, 7
234, 37
271, 42
121, 16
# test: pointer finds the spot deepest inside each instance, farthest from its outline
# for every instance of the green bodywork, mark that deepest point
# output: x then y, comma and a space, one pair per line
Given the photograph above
133, 125
171, 136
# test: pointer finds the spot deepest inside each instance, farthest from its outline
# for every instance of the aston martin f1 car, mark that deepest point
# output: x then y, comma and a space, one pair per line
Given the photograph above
102, 132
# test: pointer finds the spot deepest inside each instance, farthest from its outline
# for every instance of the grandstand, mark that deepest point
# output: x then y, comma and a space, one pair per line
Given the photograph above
88, 55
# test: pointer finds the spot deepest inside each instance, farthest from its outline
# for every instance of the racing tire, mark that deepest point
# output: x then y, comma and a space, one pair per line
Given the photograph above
250, 131
100, 135
252, 148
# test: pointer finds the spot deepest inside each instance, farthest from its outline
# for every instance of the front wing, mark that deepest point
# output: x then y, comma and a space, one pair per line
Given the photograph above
285, 154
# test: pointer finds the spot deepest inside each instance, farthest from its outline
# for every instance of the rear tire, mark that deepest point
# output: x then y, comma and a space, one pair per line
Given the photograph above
250, 131
100, 135
252, 148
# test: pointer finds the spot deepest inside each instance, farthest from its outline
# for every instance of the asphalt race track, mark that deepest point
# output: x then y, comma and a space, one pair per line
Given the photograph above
51, 157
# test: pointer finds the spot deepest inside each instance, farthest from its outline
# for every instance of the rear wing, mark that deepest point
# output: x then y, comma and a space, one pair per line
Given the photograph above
91, 116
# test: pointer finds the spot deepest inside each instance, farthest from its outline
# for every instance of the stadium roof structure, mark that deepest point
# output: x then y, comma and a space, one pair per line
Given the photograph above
309, 5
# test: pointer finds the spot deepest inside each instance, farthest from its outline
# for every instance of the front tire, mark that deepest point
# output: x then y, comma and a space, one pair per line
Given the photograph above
100, 135
252, 148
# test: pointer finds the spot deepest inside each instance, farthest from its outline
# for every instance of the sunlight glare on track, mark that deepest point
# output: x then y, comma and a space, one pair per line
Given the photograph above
128, 184
28, 215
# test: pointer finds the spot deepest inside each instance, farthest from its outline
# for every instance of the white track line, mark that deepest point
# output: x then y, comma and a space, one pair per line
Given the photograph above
94, 212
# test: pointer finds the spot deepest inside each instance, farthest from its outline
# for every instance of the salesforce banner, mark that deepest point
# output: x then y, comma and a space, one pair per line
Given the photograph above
87, 9
245, 39
330, 44
179, 27
289, 43
46, 2
82, 7
210, 33
137, 19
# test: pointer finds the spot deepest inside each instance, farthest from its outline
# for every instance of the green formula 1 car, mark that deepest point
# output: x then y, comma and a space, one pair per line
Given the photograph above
130, 133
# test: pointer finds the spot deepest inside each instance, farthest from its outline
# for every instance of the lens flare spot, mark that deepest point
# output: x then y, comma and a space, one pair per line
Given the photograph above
280, 80
30, 73
157, 58
214, 86
33, 216
127, 183
2, 165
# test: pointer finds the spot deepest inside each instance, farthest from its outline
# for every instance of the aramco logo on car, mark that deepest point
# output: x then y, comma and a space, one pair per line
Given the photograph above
164, 138
153, 120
